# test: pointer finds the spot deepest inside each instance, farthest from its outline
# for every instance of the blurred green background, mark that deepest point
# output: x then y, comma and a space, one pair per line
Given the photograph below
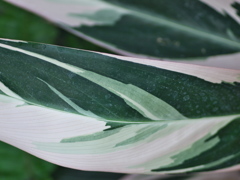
16, 23
15, 164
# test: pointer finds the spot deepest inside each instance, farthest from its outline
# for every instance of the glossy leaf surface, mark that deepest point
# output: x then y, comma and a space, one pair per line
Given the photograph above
102, 112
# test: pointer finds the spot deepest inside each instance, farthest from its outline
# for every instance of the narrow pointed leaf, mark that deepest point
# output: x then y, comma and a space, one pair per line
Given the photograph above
197, 31
100, 112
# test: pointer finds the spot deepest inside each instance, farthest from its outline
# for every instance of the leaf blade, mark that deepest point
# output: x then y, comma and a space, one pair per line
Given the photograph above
41, 99
199, 31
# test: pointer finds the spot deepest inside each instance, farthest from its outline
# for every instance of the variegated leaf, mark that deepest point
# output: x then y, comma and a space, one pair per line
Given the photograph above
189, 31
200, 176
101, 112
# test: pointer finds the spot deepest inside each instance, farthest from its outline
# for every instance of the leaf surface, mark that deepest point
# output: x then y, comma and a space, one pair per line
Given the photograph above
184, 30
101, 112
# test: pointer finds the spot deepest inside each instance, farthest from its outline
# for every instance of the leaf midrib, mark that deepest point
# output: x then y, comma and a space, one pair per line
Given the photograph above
209, 118
175, 25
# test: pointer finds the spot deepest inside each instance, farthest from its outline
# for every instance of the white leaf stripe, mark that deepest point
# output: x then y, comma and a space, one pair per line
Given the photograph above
8, 92
224, 7
218, 75
83, 142
84, 155
132, 103
71, 103
175, 25
163, 84
133, 95
214, 21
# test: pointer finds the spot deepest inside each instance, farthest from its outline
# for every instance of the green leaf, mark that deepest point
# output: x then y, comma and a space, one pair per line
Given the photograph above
101, 112
184, 30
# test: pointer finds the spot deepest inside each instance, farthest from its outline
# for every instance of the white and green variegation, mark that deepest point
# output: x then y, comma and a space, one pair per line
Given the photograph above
100, 112
200, 176
203, 32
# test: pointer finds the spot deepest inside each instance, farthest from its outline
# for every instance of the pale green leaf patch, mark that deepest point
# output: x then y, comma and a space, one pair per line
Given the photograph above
140, 100
4, 89
101, 112
71, 103
151, 30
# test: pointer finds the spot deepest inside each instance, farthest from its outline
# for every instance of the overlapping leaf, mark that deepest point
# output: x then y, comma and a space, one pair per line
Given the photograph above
100, 112
174, 30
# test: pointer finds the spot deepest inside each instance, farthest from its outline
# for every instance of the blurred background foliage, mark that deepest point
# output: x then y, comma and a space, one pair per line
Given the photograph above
15, 164
16, 23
